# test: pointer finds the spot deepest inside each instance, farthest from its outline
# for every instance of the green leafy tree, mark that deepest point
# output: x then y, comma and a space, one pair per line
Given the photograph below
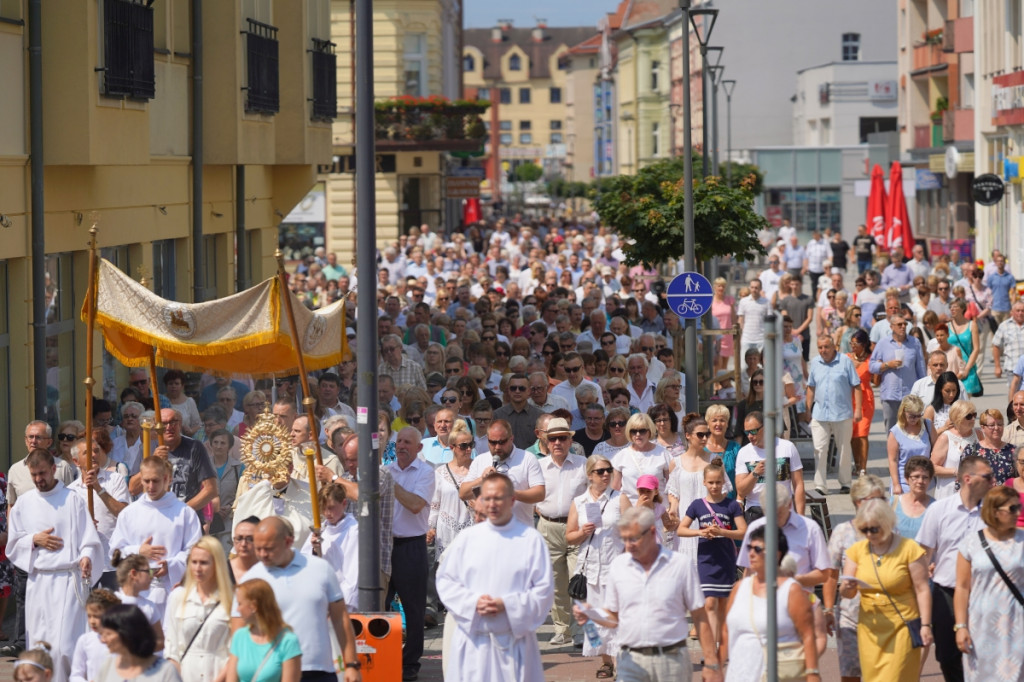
647, 209
741, 171
528, 172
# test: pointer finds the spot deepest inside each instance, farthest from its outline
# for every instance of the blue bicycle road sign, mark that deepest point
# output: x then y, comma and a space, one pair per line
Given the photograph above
689, 295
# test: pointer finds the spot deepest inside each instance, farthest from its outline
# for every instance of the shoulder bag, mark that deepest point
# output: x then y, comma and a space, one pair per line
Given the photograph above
981, 387
914, 625
989, 320
999, 569
266, 656
714, 519
578, 583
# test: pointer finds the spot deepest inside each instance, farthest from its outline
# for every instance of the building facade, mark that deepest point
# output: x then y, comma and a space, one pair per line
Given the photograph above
416, 49
937, 84
582, 76
523, 73
999, 130
118, 133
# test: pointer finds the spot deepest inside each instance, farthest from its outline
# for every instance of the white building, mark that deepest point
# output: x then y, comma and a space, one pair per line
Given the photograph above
841, 103
999, 125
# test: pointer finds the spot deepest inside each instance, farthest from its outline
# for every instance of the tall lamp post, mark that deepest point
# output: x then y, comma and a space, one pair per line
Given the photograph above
728, 86
690, 328
702, 29
716, 80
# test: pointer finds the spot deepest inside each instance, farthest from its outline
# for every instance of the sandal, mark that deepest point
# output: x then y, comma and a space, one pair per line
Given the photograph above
606, 672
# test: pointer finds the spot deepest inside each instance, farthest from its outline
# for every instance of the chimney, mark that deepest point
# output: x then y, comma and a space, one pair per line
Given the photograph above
496, 34
538, 31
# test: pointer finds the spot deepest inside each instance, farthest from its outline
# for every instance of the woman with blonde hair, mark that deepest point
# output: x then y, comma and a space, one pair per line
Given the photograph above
953, 445
851, 323
642, 456
433, 359
718, 444
669, 392
69, 432
449, 515
198, 614
265, 649
891, 575
253, 405
841, 615
617, 367
615, 423
912, 435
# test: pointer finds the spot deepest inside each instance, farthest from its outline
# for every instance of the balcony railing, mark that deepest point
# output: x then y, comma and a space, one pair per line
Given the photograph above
325, 81
928, 56
128, 49
263, 93
430, 123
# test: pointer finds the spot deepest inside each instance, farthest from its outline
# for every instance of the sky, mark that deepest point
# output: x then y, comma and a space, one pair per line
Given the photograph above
485, 13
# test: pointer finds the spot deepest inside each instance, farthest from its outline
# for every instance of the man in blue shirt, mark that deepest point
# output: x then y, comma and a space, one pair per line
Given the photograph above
1004, 288
898, 275
901, 363
831, 379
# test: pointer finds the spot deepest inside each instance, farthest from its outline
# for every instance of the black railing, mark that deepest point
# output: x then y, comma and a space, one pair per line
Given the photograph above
263, 95
325, 80
128, 49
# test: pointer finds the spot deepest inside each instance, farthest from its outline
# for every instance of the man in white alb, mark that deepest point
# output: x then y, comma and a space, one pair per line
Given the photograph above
52, 538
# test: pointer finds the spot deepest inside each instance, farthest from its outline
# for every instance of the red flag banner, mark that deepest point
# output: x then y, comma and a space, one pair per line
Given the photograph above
878, 204
899, 232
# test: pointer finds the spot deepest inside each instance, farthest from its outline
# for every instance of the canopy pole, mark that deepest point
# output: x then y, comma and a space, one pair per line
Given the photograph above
158, 423
90, 328
313, 496
308, 402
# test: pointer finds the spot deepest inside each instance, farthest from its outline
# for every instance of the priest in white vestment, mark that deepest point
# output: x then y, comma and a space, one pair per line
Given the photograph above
498, 605
160, 527
52, 538
289, 500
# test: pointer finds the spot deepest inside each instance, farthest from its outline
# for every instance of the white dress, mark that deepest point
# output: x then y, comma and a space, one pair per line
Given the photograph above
594, 557
748, 630
183, 620
449, 515
633, 464
946, 485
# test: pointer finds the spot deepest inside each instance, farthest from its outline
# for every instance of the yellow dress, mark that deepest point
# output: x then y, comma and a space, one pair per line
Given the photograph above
886, 654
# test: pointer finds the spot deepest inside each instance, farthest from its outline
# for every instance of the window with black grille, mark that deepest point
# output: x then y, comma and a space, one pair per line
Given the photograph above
128, 49
325, 81
263, 94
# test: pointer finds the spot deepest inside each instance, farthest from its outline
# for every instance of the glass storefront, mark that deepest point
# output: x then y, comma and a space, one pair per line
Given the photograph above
802, 186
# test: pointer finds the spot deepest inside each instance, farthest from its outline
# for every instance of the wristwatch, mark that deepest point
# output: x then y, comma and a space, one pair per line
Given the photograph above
959, 626
812, 671
713, 666
355, 665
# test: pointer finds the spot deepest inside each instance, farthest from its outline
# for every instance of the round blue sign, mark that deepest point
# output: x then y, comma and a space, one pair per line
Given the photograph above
689, 295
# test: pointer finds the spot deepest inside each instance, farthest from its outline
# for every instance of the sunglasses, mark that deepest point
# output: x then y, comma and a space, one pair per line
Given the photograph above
702, 434
756, 549
573, 370
752, 432
463, 446
497, 442
757, 382
558, 439
518, 389
637, 432
917, 415
620, 424
449, 400
140, 382
67, 437
870, 530
602, 471
414, 420
969, 416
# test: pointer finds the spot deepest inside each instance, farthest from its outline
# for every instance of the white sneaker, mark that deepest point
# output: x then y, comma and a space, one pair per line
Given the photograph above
559, 640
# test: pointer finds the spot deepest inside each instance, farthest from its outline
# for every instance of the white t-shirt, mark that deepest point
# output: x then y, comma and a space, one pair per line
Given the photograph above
632, 465
523, 469
752, 311
787, 460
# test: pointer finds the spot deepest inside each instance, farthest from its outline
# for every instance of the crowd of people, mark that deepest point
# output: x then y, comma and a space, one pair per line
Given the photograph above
538, 460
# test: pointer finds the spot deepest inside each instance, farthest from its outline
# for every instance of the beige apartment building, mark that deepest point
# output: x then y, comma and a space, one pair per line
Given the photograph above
523, 72
118, 129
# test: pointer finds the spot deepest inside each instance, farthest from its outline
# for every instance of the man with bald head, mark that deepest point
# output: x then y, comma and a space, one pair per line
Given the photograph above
307, 590
414, 489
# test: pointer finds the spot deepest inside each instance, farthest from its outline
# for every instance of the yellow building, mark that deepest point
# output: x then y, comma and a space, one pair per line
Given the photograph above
643, 85
415, 53
522, 71
117, 125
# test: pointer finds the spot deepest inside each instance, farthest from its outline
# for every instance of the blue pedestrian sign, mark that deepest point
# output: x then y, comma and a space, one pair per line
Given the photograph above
689, 295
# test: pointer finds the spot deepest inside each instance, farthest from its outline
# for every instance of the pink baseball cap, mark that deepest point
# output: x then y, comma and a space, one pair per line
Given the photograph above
647, 482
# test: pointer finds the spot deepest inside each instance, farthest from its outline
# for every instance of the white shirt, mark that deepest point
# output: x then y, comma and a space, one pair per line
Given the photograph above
305, 589
946, 522
652, 605
418, 479
562, 484
817, 253
786, 457
770, 281
644, 400
924, 388
632, 465
752, 311
554, 402
806, 543
523, 469
567, 391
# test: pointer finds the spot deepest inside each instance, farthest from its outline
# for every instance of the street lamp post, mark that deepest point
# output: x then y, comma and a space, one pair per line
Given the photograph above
716, 80
707, 23
728, 86
690, 329
710, 58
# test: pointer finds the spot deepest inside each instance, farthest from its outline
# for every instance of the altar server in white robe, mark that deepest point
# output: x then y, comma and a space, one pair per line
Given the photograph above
497, 605
160, 527
52, 538
338, 543
109, 491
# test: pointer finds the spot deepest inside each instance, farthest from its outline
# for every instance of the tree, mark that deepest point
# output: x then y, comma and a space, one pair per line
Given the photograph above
528, 172
743, 170
647, 209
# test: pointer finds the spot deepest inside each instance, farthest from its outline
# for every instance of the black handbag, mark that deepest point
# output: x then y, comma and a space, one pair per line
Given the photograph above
578, 583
